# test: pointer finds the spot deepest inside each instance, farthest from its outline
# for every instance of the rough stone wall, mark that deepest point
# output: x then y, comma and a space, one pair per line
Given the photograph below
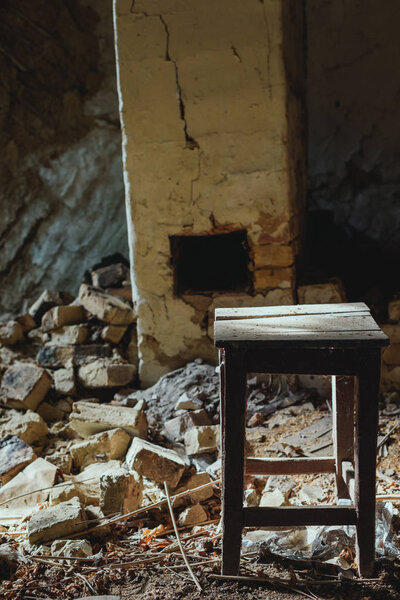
205, 104
353, 153
61, 185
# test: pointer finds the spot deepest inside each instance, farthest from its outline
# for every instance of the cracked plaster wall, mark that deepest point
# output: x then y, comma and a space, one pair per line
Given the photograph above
206, 97
61, 184
353, 94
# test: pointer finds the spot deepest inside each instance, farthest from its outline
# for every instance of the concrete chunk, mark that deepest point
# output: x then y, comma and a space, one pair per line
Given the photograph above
64, 382
87, 481
56, 521
199, 440
113, 333
175, 429
106, 308
29, 427
24, 386
120, 491
88, 418
105, 445
47, 300
104, 373
192, 515
56, 356
154, 462
71, 548
11, 333
15, 455
59, 316
70, 334
186, 403
195, 480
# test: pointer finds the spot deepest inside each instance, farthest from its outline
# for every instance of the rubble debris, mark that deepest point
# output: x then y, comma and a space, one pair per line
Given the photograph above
26, 322
256, 420
11, 333
156, 463
87, 418
24, 386
187, 403
192, 515
47, 300
106, 373
193, 481
29, 427
199, 440
110, 276
64, 382
87, 481
49, 412
105, 307
56, 521
70, 334
15, 455
33, 483
59, 316
113, 333
272, 498
56, 356
120, 491
175, 429
283, 483
71, 548
107, 445
61, 459
311, 494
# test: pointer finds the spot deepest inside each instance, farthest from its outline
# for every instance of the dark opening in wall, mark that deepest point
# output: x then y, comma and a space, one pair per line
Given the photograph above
211, 263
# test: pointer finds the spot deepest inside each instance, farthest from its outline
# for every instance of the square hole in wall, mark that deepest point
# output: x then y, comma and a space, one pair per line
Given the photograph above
211, 263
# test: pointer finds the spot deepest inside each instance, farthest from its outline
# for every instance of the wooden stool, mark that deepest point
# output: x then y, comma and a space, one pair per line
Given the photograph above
342, 340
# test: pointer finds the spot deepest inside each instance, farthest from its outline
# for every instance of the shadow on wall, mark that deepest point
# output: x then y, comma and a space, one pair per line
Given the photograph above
353, 98
61, 183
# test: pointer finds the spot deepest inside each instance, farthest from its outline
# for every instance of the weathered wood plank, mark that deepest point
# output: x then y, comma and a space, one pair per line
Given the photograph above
365, 461
343, 427
233, 440
289, 466
298, 309
255, 516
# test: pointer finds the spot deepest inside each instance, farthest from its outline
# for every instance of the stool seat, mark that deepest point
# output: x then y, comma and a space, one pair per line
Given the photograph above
341, 340
306, 326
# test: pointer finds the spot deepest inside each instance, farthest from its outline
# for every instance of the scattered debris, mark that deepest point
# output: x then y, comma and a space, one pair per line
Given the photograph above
88, 418
24, 386
56, 521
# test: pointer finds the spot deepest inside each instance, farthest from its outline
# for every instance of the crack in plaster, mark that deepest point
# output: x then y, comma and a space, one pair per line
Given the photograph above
190, 141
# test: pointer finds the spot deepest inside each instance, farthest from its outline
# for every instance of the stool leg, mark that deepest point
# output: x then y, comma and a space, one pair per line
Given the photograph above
365, 461
233, 440
343, 427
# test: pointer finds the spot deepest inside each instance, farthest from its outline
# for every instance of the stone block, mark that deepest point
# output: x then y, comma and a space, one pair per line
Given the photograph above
110, 275
56, 521
175, 429
15, 455
105, 307
58, 356
195, 480
105, 373
186, 403
394, 310
200, 440
64, 382
24, 386
271, 278
273, 255
391, 355
392, 330
102, 446
11, 333
62, 460
49, 412
59, 316
88, 418
97, 518
192, 515
28, 426
272, 498
47, 300
113, 333
63, 492
156, 463
120, 491
87, 481
70, 334
321, 293
79, 548
26, 321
